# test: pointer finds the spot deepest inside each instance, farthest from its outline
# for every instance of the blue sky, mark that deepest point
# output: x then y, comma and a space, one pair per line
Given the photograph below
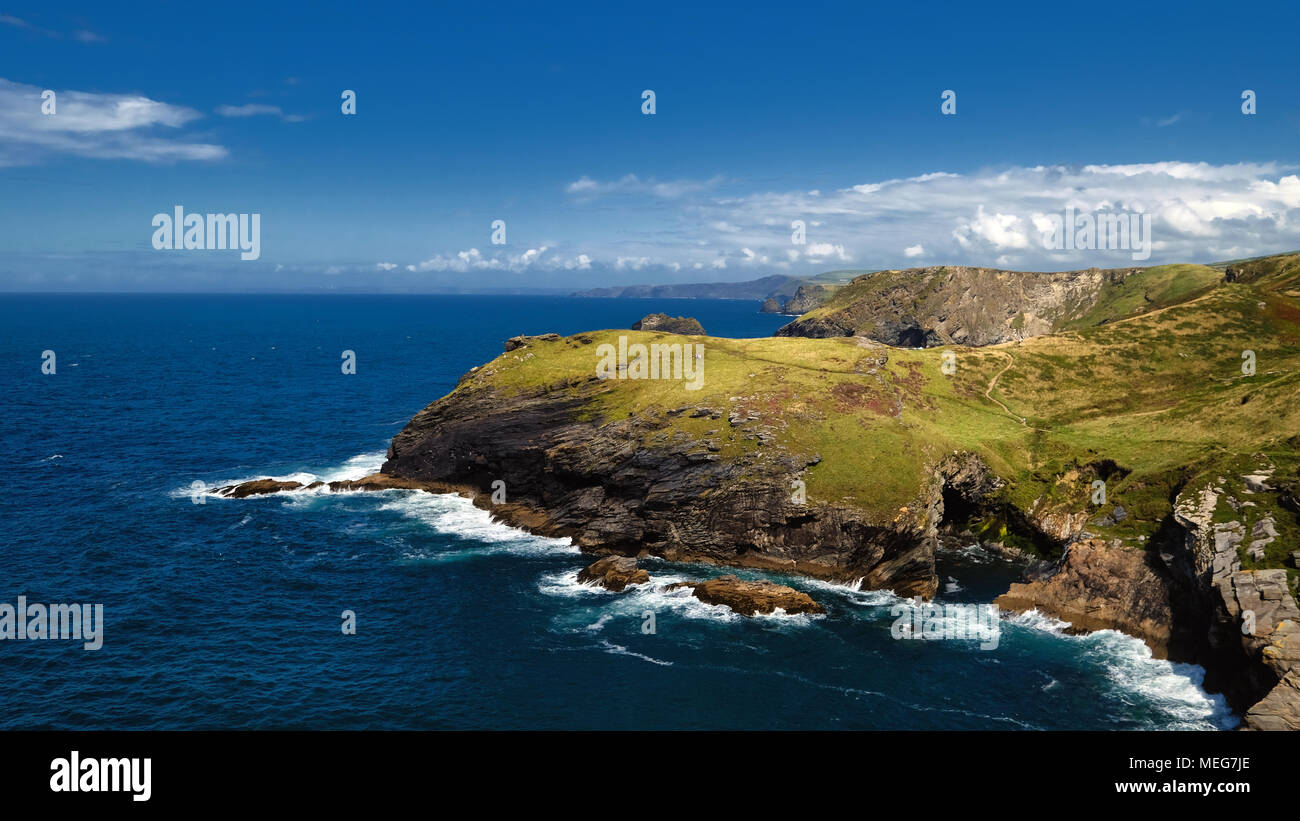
531, 114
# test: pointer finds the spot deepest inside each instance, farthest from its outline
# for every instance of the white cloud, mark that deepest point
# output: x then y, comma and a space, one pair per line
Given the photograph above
103, 126
632, 184
80, 35
817, 251
258, 110
999, 230
1200, 212
532, 259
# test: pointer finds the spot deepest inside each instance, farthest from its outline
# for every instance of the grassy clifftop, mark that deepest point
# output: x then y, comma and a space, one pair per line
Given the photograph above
1143, 389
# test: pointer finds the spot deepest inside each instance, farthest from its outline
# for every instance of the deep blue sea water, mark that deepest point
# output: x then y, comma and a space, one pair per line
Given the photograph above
227, 614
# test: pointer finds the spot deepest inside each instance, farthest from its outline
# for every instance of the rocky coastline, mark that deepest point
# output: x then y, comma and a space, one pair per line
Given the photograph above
1189, 562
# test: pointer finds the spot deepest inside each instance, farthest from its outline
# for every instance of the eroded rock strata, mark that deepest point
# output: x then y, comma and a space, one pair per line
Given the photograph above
954, 304
567, 475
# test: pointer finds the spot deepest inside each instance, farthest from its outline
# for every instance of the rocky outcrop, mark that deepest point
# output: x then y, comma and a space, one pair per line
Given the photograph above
1280, 709
375, 481
1245, 629
956, 305
260, 487
749, 598
1262, 617
1262, 534
598, 483
613, 573
823, 328
1102, 586
514, 343
669, 324
1259, 602
806, 298
1212, 545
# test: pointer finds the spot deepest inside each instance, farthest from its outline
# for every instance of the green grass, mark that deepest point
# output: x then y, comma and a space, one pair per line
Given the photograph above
1156, 388
1148, 290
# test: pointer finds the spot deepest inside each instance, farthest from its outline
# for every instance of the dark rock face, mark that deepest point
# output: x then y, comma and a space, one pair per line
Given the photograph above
947, 305
669, 324
596, 482
819, 328
748, 598
613, 573
770, 306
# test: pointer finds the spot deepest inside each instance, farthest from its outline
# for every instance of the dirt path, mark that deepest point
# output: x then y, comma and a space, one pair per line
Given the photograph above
988, 392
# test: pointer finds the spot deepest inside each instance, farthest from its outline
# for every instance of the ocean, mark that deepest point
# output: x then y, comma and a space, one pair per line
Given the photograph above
227, 613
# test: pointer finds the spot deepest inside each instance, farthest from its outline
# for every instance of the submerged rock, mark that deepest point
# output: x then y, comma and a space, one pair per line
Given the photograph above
257, 487
613, 573
749, 598
382, 481
375, 481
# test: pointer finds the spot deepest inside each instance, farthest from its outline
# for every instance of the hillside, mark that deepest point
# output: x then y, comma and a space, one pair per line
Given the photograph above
949, 304
1160, 394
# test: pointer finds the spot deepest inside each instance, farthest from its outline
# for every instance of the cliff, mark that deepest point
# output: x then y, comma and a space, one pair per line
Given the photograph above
1139, 438
954, 304
806, 298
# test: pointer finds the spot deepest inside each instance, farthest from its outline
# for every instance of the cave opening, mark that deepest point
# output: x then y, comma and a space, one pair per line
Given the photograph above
957, 510
911, 338
988, 520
